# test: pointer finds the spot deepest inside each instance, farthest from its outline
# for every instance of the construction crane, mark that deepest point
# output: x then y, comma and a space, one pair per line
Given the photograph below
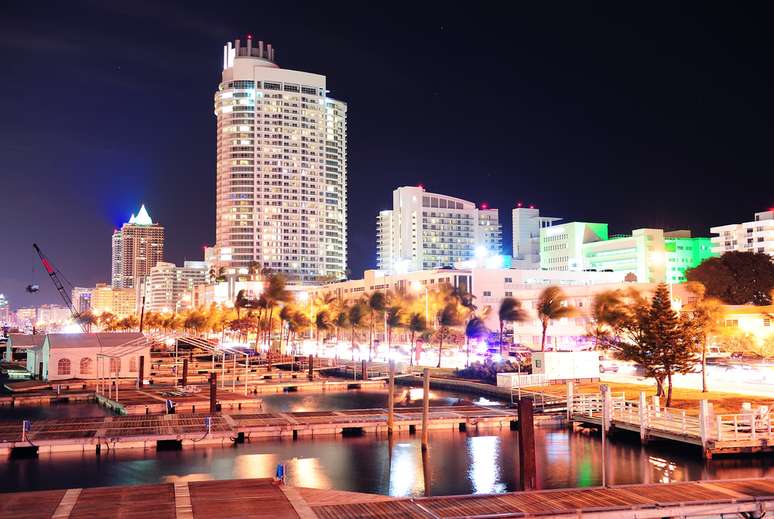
52, 273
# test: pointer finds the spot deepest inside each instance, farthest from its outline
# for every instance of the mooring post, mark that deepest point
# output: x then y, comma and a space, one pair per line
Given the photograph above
40, 371
213, 391
311, 367
570, 397
527, 467
643, 416
425, 406
606, 407
141, 373
704, 424
657, 405
426, 475
605, 390
185, 372
364, 369
391, 399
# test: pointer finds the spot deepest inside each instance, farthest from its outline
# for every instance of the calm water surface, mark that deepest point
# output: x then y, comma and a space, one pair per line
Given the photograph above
457, 462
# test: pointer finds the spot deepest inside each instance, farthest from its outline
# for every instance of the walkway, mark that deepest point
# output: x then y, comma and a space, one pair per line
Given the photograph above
111, 432
259, 499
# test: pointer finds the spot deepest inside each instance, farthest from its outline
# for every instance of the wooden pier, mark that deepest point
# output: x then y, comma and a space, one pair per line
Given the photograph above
261, 498
714, 434
115, 432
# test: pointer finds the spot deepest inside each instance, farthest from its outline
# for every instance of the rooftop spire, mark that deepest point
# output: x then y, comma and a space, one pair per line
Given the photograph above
143, 218
132, 219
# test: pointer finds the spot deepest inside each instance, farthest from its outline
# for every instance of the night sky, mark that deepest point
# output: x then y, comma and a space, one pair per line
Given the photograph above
648, 115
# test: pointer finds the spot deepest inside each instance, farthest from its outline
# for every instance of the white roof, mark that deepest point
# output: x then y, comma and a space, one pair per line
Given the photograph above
22, 340
91, 340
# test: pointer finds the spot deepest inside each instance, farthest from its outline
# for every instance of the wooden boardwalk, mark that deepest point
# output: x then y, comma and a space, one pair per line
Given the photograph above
112, 432
713, 433
261, 499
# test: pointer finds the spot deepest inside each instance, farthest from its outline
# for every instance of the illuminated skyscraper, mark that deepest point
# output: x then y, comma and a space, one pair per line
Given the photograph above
281, 167
137, 247
427, 230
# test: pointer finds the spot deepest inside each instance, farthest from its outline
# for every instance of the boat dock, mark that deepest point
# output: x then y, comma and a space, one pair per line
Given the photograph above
261, 498
178, 430
715, 434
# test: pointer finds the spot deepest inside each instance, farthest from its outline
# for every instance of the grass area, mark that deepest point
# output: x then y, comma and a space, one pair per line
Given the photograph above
687, 399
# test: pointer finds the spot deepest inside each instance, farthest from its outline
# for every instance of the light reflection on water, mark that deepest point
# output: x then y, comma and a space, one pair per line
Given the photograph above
457, 462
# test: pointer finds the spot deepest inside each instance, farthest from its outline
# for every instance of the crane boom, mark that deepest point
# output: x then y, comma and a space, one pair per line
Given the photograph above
51, 271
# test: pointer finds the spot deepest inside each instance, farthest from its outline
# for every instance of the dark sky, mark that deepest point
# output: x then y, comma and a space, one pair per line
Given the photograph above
647, 115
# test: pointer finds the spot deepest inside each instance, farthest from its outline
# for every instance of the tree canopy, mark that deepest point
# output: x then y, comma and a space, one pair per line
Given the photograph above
737, 278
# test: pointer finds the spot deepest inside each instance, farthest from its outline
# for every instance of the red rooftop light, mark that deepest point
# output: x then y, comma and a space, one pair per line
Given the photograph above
484, 205
518, 204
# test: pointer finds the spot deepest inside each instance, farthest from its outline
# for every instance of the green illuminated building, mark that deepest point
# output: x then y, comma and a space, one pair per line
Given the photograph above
683, 253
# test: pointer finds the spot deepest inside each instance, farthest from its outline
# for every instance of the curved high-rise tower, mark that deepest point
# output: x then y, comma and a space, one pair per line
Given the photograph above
281, 168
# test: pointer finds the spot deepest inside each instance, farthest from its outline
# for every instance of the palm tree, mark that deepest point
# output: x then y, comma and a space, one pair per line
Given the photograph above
510, 311
394, 319
416, 324
448, 317
107, 321
87, 319
275, 293
376, 303
127, 323
608, 313
285, 315
340, 321
355, 319
240, 302
322, 323
298, 322
552, 304
706, 313
474, 330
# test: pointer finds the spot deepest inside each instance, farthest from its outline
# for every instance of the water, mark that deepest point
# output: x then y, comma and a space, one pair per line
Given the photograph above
364, 399
457, 462
47, 412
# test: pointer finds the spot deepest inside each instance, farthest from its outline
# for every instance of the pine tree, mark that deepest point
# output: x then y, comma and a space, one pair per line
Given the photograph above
669, 339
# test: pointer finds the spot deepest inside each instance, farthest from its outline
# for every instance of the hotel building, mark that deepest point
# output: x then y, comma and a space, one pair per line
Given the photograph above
428, 230
755, 236
646, 255
561, 246
281, 168
81, 298
167, 286
527, 224
120, 302
137, 247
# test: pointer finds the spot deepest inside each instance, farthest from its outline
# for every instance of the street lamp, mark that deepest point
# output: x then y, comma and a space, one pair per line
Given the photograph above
416, 286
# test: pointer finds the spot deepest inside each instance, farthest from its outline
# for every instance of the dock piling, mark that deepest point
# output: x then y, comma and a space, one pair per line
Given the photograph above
213, 391
185, 372
527, 467
391, 399
425, 406
141, 372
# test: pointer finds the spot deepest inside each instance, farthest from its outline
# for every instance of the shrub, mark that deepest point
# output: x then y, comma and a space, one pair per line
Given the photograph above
487, 371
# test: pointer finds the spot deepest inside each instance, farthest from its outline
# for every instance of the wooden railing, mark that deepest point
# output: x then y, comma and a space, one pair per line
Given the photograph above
744, 426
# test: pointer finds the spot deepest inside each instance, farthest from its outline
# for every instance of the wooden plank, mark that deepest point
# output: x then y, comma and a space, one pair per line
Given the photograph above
67, 503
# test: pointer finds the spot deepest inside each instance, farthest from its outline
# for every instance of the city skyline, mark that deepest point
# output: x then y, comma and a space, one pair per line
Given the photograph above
642, 182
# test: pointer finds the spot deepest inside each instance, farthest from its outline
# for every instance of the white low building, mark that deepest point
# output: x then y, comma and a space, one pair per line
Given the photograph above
18, 344
64, 356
